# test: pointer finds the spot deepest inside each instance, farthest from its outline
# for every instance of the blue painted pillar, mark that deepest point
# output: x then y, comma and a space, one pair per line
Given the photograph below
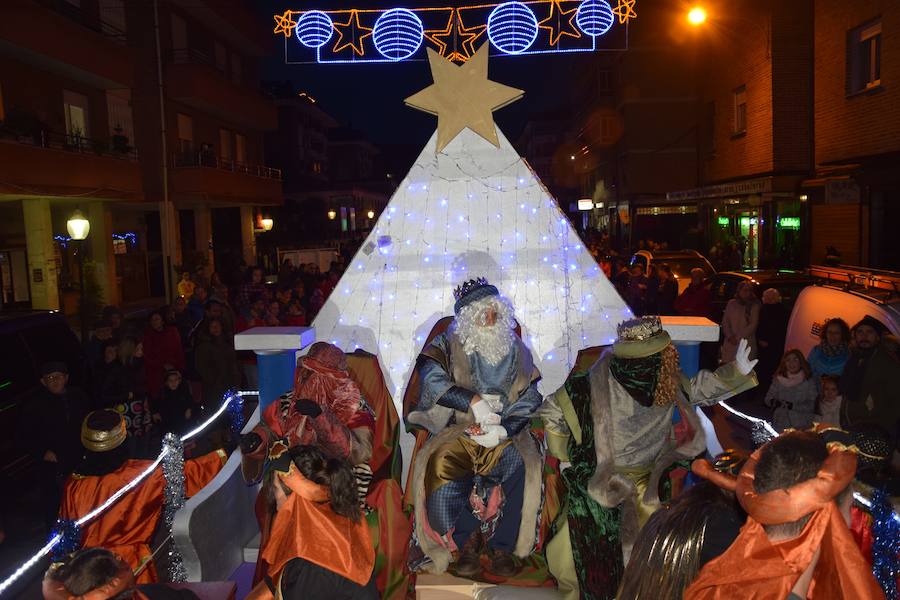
275, 348
276, 374
689, 357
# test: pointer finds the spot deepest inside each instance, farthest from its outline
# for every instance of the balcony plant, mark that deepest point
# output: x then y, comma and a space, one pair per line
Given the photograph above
119, 141
22, 126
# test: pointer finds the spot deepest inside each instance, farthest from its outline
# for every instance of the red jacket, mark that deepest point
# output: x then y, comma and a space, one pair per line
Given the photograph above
161, 348
694, 301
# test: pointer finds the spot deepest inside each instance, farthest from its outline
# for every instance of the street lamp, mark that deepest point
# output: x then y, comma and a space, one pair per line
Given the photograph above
696, 16
371, 214
267, 223
332, 215
79, 228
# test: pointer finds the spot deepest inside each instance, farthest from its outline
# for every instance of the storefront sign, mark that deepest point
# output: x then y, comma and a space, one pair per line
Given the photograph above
841, 191
37, 275
789, 222
723, 221
737, 188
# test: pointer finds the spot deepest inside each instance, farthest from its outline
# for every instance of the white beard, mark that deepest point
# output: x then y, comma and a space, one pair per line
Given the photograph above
492, 343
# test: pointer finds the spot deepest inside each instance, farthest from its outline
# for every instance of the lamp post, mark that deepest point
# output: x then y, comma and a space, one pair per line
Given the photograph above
79, 228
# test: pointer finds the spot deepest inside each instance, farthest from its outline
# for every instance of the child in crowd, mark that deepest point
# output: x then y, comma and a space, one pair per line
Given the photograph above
186, 286
792, 393
830, 400
175, 407
296, 316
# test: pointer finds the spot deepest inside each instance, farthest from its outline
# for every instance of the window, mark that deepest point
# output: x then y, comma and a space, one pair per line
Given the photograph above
179, 33
185, 134
740, 109
225, 144
317, 167
343, 218
75, 107
112, 12
221, 57
236, 73
240, 149
118, 108
864, 57
604, 81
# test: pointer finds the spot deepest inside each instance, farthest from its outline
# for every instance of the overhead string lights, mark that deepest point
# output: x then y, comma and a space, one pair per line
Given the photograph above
65, 532
514, 28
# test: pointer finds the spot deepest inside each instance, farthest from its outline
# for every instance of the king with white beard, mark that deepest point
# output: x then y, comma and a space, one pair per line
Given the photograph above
477, 481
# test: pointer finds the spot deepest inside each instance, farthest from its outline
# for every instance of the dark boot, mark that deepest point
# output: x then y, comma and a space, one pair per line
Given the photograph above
469, 561
504, 564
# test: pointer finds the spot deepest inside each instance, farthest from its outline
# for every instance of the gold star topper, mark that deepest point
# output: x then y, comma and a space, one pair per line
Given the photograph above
463, 96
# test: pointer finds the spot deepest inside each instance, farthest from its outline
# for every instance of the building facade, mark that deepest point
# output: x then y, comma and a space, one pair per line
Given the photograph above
147, 118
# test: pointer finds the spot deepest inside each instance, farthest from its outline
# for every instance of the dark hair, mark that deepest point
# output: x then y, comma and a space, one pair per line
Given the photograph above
333, 472
804, 364
787, 460
664, 267
842, 324
85, 570
666, 556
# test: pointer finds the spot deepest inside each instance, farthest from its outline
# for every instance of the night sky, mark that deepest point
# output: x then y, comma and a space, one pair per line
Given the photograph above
370, 97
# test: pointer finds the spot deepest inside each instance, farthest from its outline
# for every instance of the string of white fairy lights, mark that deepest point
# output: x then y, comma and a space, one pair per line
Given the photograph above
57, 538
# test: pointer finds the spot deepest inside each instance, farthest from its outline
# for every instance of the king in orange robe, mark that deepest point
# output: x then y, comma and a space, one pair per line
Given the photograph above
754, 566
126, 528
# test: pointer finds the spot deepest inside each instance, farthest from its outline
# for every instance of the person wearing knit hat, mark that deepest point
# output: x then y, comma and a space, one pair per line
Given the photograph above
796, 542
478, 393
614, 424
127, 526
868, 384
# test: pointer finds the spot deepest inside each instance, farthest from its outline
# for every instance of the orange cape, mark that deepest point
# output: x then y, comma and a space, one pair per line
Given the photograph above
306, 527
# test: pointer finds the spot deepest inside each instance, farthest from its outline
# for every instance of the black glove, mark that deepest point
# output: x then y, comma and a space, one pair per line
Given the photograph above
309, 408
250, 442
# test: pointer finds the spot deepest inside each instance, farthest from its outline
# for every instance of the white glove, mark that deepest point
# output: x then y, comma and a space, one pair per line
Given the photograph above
742, 358
483, 413
494, 434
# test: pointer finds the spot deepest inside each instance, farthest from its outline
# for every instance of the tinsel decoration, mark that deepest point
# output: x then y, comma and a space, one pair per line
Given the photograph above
173, 471
69, 538
759, 434
235, 411
886, 531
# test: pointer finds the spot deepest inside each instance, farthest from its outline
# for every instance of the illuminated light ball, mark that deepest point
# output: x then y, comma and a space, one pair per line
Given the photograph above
398, 33
594, 17
314, 29
512, 27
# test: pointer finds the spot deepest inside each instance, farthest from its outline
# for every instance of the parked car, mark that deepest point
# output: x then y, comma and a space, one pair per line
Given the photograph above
789, 283
27, 340
843, 292
681, 261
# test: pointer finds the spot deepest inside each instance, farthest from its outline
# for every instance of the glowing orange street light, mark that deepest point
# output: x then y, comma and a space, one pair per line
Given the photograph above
696, 16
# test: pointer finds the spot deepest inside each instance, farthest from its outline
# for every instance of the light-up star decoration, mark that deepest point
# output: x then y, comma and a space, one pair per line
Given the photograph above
463, 96
513, 27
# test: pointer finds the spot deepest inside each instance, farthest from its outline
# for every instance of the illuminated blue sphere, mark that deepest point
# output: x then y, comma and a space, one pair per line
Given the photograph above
594, 17
398, 34
512, 27
314, 29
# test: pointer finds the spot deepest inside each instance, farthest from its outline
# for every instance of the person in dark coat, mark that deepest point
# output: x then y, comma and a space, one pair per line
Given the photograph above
50, 431
111, 378
175, 407
216, 363
667, 291
696, 299
773, 322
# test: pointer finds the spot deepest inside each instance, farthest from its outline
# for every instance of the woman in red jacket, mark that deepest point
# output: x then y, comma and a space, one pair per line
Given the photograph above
162, 352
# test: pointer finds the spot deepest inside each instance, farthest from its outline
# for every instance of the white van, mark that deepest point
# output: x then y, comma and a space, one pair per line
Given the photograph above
848, 293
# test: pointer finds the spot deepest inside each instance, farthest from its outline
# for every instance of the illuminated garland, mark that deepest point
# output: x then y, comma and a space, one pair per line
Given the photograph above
62, 533
513, 27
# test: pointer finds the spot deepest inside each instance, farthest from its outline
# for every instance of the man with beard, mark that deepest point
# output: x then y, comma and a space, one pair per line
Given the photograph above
478, 395
868, 383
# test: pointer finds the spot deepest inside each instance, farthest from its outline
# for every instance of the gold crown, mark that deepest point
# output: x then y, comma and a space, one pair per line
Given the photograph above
639, 329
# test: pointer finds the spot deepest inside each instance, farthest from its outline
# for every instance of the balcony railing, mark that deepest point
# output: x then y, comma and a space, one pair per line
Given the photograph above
193, 56
77, 14
115, 147
211, 161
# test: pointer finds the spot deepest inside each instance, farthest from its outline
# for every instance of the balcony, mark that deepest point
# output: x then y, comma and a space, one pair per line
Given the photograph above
48, 164
193, 79
202, 176
67, 42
